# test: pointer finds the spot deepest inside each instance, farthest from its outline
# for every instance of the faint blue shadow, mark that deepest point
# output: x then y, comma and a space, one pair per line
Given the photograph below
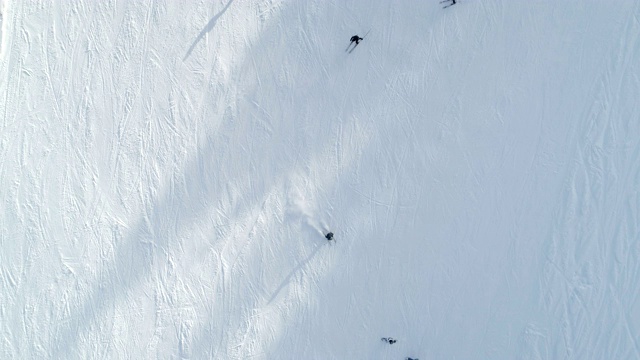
210, 25
287, 280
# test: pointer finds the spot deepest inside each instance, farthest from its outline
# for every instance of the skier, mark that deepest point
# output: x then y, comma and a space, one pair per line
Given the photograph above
412, 358
329, 236
453, 2
356, 39
389, 340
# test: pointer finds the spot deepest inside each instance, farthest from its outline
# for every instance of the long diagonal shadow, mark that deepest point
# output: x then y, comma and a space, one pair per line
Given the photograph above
293, 272
210, 25
157, 231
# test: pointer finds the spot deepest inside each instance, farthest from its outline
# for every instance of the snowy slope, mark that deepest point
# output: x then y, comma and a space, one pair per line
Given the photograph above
167, 171
2, 11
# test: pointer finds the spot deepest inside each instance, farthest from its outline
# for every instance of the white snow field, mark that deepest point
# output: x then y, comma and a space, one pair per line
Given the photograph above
168, 169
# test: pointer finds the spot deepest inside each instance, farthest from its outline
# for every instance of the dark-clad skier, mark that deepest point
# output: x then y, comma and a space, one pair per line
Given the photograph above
356, 39
453, 2
389, 340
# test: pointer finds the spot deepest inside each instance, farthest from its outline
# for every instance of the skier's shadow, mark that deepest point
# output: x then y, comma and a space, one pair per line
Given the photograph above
210, 25
287, 280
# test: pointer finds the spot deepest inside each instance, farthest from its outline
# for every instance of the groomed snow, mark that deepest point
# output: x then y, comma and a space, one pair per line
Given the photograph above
168, 169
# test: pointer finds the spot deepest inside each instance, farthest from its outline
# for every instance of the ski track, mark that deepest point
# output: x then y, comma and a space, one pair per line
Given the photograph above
168, 171
593, 255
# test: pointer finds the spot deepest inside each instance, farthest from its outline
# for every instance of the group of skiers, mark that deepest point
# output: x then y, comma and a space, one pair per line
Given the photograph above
391, 341
329, 236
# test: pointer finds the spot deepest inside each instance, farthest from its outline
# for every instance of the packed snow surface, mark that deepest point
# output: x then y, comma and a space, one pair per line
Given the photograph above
168, 170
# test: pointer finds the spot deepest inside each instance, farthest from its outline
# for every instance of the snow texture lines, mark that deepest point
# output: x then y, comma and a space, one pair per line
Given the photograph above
168, 171
593, 255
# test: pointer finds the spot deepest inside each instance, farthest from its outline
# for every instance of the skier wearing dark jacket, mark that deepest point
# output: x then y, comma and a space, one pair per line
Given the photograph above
356, 39
453, 2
